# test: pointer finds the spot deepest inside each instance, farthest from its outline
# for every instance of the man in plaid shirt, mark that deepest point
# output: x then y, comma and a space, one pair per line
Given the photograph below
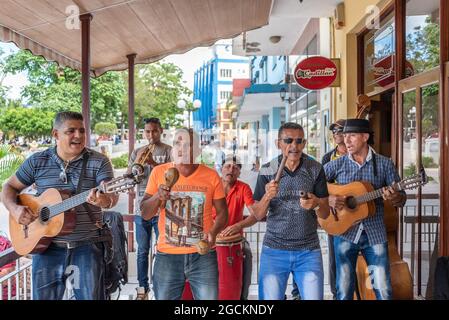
361, 163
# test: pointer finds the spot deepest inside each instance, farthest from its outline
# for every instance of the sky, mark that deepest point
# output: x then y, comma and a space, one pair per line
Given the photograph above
189, 62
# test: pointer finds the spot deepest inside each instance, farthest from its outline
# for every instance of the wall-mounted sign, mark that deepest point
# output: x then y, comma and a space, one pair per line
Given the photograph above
315, 73
383, 70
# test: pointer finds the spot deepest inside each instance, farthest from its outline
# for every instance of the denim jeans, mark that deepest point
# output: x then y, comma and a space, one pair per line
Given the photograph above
376, 257
172, 270
276, 266
83, 267
143, 238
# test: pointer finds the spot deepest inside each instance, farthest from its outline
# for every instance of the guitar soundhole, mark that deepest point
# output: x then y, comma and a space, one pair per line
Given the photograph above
351, 203
45, 214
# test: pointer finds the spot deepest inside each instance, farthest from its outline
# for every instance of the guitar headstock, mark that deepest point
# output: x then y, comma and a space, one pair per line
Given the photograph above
121, 184
414, 181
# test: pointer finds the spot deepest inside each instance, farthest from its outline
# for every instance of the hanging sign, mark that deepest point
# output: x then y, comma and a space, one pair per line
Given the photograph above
315, 73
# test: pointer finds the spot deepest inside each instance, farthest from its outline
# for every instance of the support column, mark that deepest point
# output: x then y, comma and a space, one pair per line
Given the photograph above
85, 71
131, 136
444, 128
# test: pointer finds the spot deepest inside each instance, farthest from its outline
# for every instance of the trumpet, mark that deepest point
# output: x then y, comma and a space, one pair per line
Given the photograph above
138, 167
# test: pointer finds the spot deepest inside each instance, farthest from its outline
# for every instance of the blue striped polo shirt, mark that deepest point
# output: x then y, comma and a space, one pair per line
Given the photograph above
44, 168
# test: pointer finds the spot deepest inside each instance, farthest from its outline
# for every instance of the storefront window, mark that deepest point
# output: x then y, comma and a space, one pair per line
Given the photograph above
379, 49
422, 36
308, 116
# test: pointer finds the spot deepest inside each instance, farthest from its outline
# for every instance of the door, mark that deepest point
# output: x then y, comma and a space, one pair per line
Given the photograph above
419, 145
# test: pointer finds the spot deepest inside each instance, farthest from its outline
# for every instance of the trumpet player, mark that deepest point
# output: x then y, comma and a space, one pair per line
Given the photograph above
147, 157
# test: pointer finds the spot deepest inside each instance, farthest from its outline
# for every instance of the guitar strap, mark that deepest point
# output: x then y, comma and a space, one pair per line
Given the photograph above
374, 165
98, 223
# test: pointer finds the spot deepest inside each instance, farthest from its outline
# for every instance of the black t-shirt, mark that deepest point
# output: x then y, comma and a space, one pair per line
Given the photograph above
289, 226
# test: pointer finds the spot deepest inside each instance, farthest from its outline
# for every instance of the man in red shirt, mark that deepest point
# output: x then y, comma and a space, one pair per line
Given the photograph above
238, 194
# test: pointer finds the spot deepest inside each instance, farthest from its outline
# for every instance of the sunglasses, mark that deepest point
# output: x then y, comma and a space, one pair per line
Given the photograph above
63, 175
337, 131
290, 140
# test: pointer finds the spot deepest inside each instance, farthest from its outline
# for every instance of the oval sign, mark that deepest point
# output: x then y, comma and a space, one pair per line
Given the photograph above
315, 73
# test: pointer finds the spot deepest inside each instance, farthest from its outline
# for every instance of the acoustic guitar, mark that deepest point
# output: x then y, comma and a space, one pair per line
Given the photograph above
56, 215
359, 201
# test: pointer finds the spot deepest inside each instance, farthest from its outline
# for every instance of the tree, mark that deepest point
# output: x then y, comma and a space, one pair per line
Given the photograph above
158, 88
26, 122
423, 52
53, 88
105, 128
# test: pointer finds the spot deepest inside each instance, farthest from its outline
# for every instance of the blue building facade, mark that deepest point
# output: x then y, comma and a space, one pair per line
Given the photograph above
213, 83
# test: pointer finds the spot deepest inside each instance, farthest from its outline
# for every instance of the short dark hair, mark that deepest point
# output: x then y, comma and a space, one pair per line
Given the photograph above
289, 125
153, 120
64, 116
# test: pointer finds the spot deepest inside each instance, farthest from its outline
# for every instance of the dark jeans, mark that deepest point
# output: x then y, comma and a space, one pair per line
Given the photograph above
83, 267
143, 238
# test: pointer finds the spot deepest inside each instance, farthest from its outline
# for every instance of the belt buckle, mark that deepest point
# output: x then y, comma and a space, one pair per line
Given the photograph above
69, 245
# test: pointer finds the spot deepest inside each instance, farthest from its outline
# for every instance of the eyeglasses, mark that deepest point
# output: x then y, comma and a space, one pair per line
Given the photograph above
290, 140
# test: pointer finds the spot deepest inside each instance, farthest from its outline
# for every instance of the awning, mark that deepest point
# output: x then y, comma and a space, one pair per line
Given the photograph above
152, 29
259, 100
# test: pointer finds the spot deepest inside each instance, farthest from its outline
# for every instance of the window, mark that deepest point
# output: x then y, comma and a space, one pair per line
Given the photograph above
379, 46
226, 73
225, 95
226, 115
226, 126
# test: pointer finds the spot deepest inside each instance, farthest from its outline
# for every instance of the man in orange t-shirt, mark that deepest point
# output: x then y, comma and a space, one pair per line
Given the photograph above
185, 219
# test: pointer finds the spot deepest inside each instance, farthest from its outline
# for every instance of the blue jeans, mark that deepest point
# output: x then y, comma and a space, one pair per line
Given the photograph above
276, 266
83, 266
172, 270
143, 238
376, 257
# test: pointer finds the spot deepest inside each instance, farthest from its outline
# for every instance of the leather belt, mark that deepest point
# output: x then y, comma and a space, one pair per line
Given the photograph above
75, 244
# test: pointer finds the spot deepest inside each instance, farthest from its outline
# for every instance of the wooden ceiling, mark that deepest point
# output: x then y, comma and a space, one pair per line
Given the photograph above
150, 28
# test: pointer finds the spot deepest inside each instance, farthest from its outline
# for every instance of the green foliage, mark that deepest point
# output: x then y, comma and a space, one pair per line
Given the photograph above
158, 88
428, 162
120, 162
105, 128
53, 88
10, 161
26, 122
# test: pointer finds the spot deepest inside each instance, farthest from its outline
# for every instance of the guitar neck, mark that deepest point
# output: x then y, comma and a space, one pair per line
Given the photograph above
68, 204
372, 195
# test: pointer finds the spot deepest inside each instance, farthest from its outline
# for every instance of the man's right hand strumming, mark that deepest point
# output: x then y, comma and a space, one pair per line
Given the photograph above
271, 190
23, 215
337, 202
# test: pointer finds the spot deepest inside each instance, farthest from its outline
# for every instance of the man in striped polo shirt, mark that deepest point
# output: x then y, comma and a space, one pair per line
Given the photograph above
291, 243
79, 254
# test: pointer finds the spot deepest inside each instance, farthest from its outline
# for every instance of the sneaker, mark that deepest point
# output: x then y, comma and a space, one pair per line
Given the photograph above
142, 293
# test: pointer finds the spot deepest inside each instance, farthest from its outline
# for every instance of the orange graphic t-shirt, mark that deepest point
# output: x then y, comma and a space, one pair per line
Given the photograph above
187, 216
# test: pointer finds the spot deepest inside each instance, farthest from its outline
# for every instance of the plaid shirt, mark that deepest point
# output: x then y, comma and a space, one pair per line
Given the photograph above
345, 170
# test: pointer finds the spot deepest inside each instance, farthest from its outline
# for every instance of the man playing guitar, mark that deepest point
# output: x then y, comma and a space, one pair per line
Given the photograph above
368, 236
78, 254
